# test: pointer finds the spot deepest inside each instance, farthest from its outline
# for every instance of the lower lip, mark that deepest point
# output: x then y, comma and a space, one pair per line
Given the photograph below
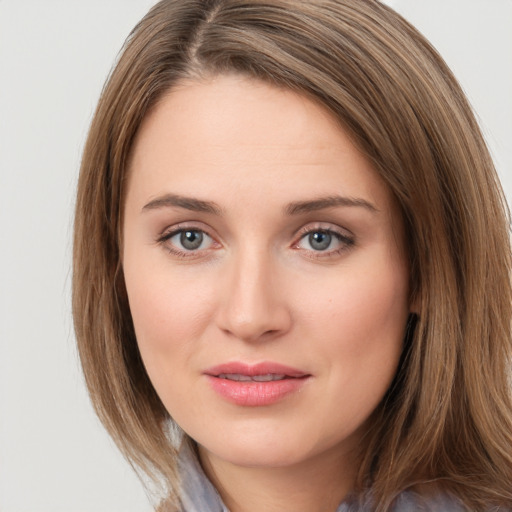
256, 394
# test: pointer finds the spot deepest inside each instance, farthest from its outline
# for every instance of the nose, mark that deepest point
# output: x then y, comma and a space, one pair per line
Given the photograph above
252, 307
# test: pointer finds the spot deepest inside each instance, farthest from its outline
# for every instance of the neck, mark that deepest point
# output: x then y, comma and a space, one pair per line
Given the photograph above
317, 485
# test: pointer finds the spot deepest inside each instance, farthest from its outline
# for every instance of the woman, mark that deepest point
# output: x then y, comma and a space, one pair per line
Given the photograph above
291, 264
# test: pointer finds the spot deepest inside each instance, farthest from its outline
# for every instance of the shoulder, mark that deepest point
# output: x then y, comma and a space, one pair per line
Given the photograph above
436, 502
408, 501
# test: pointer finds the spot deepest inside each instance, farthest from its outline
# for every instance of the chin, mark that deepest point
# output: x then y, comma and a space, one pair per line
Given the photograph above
267, 451
260, 457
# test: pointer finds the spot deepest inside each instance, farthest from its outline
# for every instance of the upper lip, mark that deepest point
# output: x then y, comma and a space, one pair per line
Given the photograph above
251, 370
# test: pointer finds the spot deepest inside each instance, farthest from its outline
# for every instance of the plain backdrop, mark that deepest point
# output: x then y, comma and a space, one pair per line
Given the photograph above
54, 57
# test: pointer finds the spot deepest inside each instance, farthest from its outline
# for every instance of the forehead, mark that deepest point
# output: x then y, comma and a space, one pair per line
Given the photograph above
231, 130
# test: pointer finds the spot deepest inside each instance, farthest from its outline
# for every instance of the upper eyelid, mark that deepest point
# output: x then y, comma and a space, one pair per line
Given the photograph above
172, 233
169, 231
324, 226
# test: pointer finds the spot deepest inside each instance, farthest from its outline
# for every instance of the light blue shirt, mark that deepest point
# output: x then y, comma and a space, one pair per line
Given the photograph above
199, 494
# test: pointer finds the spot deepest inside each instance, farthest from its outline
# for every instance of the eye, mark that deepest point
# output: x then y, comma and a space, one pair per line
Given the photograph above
324, 241
186, 241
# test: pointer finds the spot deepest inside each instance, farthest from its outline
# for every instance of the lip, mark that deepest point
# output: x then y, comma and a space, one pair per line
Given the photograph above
252, 393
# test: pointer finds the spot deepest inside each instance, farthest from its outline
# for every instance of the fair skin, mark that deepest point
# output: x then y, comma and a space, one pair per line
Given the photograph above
255, 233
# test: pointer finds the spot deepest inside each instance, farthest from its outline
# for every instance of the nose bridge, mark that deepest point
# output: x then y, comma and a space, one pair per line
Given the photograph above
253, 306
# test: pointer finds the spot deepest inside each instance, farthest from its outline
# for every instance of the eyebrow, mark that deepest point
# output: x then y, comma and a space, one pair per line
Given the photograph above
187, 203
295, 208
301, 207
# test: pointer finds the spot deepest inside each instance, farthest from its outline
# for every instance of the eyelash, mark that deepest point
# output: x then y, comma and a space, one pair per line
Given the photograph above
346, 242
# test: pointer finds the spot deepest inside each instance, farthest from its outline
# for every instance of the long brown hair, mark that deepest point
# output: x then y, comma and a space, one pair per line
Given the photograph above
448, 415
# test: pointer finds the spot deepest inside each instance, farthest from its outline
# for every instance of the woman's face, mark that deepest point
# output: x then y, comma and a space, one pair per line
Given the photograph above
265, 269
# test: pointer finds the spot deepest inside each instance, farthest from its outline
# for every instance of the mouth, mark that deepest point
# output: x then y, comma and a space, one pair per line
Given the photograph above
238, 377
255, 384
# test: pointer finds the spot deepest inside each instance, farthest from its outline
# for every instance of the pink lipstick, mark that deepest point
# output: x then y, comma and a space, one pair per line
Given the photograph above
255, 385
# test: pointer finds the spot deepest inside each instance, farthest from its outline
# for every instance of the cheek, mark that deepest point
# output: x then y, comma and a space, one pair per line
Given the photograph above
359, 323
166, 317
359, 333
169, 322
359, 300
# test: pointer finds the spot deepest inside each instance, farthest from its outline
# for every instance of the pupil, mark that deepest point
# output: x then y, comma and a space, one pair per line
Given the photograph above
191, 240
320, 240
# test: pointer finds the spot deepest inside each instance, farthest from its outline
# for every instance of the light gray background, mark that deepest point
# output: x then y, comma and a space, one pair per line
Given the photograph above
54, 57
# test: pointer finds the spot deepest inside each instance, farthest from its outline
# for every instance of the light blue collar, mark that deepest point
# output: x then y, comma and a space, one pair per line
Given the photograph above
199, 495
197, 492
